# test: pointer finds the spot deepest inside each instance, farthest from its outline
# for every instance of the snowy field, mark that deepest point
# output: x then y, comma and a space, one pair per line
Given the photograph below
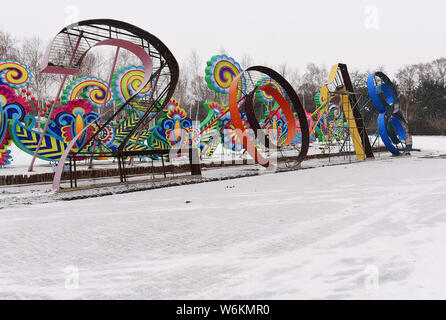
367, 230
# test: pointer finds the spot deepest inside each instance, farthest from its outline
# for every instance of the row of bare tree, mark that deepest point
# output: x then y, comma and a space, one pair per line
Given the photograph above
422, 86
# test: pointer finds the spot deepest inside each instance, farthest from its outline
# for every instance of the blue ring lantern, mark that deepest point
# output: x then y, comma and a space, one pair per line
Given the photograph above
393, 128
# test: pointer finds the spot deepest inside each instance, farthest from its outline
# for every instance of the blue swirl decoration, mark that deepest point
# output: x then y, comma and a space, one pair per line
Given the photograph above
13, 111
393, 127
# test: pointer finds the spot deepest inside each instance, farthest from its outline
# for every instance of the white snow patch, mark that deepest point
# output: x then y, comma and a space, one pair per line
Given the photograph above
361, 231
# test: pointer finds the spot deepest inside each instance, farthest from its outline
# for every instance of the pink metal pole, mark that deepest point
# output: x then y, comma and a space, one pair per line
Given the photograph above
115, 60
31, 166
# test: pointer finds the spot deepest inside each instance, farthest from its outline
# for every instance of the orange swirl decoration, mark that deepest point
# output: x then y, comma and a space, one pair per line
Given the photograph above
126, 82
90, 89
14, 74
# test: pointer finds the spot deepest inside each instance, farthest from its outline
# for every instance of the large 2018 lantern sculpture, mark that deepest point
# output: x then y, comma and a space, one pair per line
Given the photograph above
91, 118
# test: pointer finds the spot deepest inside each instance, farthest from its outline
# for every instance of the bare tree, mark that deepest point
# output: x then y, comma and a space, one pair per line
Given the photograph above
359, 78
182, 89
247, 61
314, 77
439, 67
31, 54
199, 93
425, 72
294, 78
91, 66
125, 59
282, 69
8, 47
312, 80
407, 81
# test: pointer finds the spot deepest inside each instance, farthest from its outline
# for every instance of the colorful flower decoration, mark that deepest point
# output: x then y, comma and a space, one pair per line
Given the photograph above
5, 139
7, 113
126, 83
323, 126
173, 103
7, 95
14, 74
265, 97
220, 72
177, 126
210, 139
24, 103
276, 128
106, 135
11, 107
195, 139
319, 100
174, 130
231, 141
217, 107
229, 137
88, 88
73, 118
5, 154
334, 112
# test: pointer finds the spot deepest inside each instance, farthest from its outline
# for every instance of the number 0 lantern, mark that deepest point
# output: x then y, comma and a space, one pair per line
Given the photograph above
242, 95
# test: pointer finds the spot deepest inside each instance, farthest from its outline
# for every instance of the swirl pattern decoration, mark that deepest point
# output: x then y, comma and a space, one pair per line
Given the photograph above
220, 72
127, 81
90, 89
14, 74
263, 95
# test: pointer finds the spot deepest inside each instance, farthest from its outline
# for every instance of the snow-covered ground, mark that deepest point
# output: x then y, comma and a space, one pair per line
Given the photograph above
374, 229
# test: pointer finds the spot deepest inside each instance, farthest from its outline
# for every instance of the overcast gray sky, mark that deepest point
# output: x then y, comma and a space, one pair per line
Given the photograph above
363, 34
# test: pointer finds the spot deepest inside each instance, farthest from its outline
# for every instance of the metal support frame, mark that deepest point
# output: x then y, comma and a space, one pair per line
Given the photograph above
193, 153
356, 111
